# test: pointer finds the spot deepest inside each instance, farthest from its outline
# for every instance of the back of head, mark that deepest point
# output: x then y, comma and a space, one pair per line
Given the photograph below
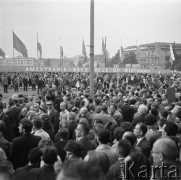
35, 155
104, 108
50, 155
168, 148
64, 133
171, 128
131, 137
45, 142
27, 125
104, 136
118, 133
37, 122
150, 120
85, 128
124, 148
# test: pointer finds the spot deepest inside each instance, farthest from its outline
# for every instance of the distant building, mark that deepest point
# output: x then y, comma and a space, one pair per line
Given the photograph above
147, 56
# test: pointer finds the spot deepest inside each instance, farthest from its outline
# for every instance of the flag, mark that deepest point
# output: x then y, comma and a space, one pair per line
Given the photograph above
104, 50
159, 54
84, 53
121, 54
19, 46
172, 57
61, 52
2, 54
39, 48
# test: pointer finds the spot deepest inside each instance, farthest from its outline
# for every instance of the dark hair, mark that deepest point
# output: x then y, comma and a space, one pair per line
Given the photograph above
35, 155
37, 122
104, 136
154, 111
64, 133
118, 133
171, 128
90, 100
50, 155
161, 122
6, 167
104, 108
74, 147
150, 120
124, 147
143, 128
131, 137
27, 125
127, 126
85, 128
164, 113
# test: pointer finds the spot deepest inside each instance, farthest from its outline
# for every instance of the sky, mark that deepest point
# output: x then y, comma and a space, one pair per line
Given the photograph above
67, 22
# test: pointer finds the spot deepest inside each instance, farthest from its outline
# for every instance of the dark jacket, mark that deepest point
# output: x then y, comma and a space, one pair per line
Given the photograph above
13, 114
8, 132
21, 147
54, 117
44, 173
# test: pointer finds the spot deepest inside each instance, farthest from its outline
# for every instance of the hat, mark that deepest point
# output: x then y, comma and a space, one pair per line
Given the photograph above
49, 102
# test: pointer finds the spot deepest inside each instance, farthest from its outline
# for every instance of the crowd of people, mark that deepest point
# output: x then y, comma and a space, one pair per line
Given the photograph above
129, 130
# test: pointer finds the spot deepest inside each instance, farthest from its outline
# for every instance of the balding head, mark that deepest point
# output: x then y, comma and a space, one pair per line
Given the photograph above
164, 149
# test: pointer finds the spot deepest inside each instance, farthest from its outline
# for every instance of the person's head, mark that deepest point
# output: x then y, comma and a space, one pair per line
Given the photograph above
118, 133
170, 129
30, 98
100, 159
164, 150
140, 130
103, 136
34, 156
104, 108
2, 127
164, 113
64, 134
131, 137
154, 111
63, 106
113, 107
25, 126
50, 155
143, 109
2, 155
80, 170
44, 143
124, 148
161, 122
36, 107
82, 129
49, 104
37, 123
72, 116
24, 111
73, 149
1, 107
150, 120
6, 169
127, 126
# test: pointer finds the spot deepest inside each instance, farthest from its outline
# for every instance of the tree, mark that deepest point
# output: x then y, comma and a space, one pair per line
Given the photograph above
130, 58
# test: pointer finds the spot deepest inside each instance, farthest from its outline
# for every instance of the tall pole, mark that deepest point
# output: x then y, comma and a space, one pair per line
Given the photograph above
105, 57
92, 49
13, 45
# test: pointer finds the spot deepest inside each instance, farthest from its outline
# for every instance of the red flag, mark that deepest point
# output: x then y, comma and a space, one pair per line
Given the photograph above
19, 46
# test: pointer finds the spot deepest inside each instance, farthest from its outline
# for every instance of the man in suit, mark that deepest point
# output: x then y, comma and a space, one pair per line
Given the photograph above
140, 131
54, 116
5, 119
13, 114
46, 172
21, 146
82, 131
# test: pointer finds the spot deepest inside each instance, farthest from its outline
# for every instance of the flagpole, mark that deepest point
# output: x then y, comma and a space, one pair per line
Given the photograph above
92, 49
105, 57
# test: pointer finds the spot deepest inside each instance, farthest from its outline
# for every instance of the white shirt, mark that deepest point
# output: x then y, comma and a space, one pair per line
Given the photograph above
41, 133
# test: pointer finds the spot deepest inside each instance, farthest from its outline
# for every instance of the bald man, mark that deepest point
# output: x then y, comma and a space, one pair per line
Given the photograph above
165, 152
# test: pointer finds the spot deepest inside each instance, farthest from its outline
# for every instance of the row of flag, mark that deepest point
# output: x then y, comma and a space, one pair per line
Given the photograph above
21, 48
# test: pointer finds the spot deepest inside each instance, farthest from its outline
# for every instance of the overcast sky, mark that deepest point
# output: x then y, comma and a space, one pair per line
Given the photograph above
67, 22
